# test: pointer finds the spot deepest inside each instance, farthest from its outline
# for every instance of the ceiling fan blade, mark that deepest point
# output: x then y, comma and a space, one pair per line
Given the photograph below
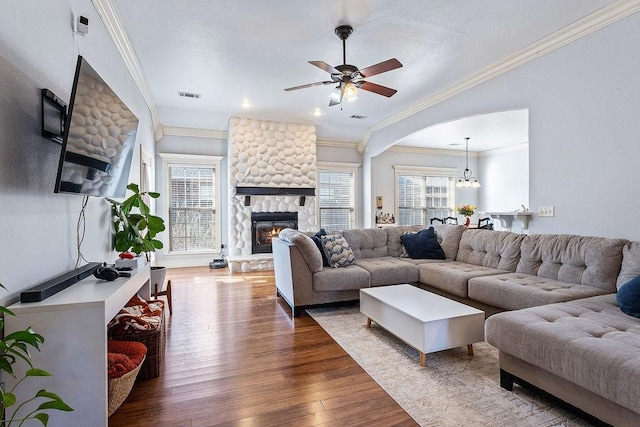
383, 67
326, 67
327, 82
380, 90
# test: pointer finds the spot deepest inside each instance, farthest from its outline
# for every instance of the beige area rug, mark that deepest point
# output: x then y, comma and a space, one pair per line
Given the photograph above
454, 389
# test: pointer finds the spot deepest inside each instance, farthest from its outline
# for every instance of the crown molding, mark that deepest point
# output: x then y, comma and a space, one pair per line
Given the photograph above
503, 150
601, 18
111, 20
336, 143
362, 144
194, 133
429, 151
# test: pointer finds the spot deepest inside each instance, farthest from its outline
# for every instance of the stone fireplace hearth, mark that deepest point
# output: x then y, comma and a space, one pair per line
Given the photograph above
272, 168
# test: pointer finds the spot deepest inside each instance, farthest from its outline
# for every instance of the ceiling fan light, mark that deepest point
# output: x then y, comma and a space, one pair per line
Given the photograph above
475, 184
335, 94
350, 91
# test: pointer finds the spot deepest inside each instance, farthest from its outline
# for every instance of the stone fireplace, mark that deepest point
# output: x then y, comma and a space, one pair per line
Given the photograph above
272, 169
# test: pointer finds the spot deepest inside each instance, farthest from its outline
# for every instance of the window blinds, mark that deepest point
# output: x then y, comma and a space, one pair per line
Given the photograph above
191, 208
337, 200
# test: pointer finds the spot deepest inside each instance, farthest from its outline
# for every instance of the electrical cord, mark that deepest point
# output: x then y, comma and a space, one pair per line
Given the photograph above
80, 233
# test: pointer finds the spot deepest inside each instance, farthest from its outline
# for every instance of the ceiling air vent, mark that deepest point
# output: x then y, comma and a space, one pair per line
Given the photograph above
355, 116
189, 95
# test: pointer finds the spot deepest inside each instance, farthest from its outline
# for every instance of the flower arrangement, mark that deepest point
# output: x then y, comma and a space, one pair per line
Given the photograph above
466, 210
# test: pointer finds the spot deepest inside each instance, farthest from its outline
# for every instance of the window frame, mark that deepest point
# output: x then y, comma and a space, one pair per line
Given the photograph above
424, 171
338, 167
170, 159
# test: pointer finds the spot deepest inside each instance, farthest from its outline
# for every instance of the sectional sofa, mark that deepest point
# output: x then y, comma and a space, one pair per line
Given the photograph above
557, 327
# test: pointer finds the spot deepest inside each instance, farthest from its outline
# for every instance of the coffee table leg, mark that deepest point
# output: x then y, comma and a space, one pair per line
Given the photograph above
423, 359
368, 322
470, 349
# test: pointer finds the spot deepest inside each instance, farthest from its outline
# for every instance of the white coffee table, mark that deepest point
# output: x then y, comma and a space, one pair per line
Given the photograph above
424, 320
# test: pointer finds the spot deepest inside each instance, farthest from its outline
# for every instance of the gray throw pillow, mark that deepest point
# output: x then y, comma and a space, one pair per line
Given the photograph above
337, 250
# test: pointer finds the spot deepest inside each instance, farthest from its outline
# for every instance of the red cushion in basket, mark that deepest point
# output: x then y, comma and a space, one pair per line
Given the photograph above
124, 357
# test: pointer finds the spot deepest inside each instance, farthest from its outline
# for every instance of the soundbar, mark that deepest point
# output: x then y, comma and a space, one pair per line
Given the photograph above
51, 287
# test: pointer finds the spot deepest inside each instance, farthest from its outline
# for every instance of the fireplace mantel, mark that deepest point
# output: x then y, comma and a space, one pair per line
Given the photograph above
275, 191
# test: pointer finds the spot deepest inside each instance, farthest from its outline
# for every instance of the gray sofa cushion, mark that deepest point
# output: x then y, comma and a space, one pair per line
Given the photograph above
588, 342
592, 261
494, 249
630, 263
367, 242
389, 270
341, 279
452, 276
306, 245
513, 291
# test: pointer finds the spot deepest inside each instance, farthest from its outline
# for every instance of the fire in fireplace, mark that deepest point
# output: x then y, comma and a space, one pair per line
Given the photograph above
266, 225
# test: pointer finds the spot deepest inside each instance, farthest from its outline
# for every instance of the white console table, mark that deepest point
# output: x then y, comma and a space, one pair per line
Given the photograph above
73, 323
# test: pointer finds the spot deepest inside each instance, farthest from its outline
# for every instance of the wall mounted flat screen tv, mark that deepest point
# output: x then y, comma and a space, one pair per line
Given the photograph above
99, 138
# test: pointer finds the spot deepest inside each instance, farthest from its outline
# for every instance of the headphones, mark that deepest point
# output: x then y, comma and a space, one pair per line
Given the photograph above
109, 273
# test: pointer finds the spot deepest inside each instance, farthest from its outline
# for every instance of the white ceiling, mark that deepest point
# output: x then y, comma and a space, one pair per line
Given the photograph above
232, 51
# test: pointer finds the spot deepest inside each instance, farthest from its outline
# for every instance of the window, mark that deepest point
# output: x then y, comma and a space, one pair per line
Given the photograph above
192, 187
424, 193
337, 196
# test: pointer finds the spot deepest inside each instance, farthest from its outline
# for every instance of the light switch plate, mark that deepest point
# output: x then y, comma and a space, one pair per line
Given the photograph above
545, 210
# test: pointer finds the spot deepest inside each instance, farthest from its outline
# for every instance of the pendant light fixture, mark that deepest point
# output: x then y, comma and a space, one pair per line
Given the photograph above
467, 179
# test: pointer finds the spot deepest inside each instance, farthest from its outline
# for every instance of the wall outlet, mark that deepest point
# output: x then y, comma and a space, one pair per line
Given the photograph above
545, 210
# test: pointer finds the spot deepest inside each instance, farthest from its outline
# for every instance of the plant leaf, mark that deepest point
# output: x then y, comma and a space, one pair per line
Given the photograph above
155, 223
43, 417
153, 194
9, 399
157, 244
55, 404
133, 187
5, 310
35, 372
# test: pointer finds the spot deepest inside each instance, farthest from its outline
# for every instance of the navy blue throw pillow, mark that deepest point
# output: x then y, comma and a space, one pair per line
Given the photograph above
318, 241
423, 244
629, 297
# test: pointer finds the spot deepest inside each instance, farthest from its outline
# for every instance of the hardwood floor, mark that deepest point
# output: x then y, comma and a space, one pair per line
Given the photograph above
234, 356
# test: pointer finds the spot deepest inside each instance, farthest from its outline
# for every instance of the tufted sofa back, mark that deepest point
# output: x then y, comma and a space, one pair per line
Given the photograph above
367, 242
591, 261
494, 249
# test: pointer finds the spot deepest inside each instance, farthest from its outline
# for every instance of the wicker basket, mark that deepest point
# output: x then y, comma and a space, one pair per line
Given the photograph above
119, 388
155, 341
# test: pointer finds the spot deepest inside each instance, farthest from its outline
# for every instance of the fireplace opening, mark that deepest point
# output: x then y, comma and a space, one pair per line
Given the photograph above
266, 225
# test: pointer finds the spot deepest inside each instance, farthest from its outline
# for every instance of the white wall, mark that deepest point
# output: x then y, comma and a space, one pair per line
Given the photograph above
584, 132
505, 179
39, 50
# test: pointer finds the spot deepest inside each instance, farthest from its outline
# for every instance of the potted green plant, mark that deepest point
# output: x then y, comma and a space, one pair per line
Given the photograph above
136, 228
14, 348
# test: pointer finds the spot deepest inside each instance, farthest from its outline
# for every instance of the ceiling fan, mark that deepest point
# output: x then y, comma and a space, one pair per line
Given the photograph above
349, 77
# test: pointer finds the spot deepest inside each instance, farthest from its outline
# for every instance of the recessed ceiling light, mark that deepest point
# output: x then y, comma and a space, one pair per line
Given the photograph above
317, 112
246, 104
358, 117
